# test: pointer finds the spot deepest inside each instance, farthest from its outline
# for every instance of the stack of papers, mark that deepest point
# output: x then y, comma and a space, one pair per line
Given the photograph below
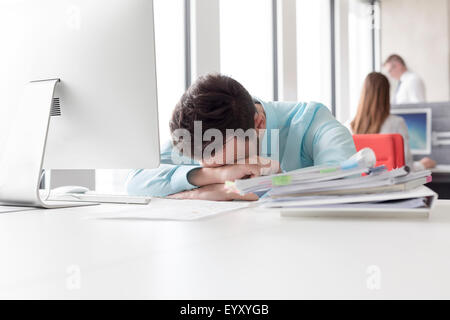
354, 184
375, 182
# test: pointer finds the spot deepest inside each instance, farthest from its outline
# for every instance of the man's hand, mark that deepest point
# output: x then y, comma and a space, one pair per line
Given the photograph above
214, 192
428, 163
219, 175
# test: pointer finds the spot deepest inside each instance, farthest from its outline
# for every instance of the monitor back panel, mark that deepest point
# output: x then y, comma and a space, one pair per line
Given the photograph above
104, 53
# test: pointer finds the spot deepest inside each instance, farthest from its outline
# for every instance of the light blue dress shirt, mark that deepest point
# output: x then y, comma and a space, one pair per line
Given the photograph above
308, 135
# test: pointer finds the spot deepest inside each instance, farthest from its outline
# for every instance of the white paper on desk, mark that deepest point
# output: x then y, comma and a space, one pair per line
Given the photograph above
9, 209
175, 210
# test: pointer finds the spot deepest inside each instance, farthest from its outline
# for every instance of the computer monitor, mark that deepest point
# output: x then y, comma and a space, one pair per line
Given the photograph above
419, 128
104, 53
104, 113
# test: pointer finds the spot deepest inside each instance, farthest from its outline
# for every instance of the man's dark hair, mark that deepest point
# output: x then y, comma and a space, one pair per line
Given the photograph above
395, 57
219, 102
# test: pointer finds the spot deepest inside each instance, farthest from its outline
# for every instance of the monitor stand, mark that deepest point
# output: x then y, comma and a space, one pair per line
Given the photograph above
20, 170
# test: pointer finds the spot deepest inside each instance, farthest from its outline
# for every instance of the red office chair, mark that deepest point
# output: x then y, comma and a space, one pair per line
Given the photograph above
388, 148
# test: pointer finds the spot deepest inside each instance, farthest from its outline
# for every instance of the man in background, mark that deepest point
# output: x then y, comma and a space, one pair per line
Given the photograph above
410, 87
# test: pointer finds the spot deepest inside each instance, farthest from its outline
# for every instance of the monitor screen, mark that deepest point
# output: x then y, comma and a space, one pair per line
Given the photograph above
418, 122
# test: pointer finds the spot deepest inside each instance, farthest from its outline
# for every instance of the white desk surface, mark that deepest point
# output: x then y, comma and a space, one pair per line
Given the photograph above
441, 168
245, 254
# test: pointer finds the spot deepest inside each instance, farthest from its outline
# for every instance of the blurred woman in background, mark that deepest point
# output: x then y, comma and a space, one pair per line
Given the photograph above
374, 116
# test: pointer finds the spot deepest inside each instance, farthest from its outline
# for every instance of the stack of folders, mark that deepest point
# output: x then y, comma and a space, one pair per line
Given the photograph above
352, 188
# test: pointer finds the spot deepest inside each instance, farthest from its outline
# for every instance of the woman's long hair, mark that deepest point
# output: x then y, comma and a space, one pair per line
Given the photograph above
374, 105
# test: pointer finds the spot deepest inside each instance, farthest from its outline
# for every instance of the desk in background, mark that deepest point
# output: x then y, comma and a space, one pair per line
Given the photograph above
440, 122
441, 181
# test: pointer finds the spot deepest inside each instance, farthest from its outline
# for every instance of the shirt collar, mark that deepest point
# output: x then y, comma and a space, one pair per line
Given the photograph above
271, 116
271, 123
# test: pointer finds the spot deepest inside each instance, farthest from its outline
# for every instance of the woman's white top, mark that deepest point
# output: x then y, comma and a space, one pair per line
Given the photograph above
396, 124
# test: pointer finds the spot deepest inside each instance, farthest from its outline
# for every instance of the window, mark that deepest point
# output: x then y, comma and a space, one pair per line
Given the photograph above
314, 51
360, 49
170, 59
246, 49
170, 66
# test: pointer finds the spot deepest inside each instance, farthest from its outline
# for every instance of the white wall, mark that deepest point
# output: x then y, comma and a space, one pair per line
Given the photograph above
419, 31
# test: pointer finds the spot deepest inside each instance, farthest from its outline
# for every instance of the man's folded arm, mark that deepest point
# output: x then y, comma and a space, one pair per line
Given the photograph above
168, 179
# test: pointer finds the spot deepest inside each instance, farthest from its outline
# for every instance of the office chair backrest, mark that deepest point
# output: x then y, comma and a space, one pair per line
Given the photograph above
388, 148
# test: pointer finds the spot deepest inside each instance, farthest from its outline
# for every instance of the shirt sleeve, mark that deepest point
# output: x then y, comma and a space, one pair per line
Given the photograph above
328, 141
169, 178
417, 91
